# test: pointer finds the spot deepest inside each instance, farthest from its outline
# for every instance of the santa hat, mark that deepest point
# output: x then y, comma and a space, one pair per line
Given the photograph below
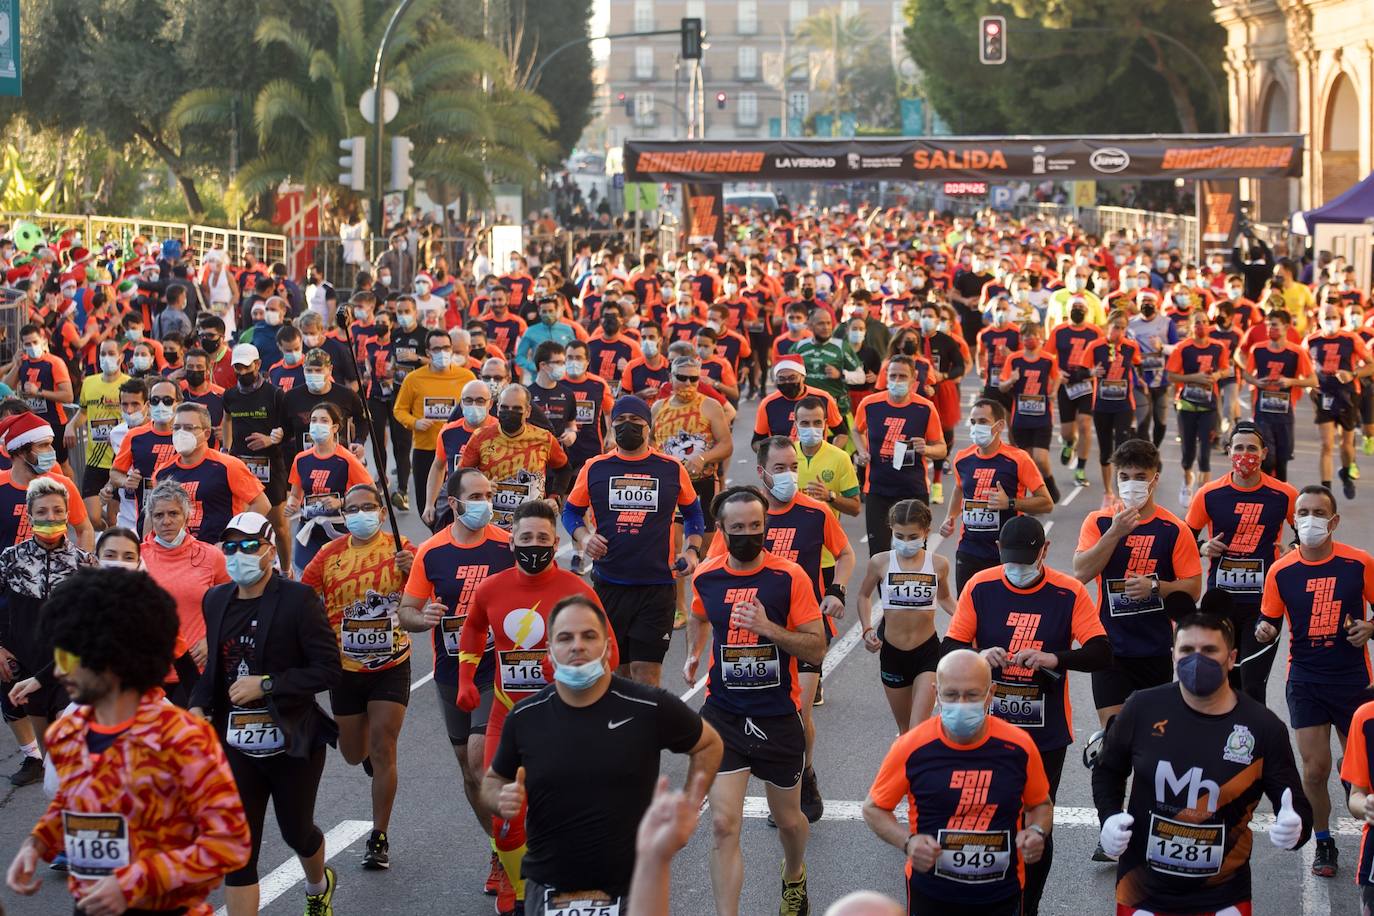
78, 256
22, 429
423, 277
793, 363
71, 278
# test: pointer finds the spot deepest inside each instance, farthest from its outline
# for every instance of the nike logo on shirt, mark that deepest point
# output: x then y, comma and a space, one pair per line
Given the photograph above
618, 724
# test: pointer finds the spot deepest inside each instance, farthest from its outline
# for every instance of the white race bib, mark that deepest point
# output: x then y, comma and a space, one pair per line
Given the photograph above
362, 637
1019, 704
1240, 576
451, 628
1112, 389
973, 856
1030, 405
97, 845
978, 517
1274, 402
522, 670
254, 732
911, 590
633, 494
439, 408
1075, 390
581, 903
755, 667
1185, 850
1120, 605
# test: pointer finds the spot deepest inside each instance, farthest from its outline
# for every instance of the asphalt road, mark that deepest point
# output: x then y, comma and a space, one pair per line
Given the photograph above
439, 855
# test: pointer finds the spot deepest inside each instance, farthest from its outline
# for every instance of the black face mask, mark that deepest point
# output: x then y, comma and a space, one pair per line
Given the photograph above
629, 436
510, 421
744, 547
195, 378
790, 390
1077, 316
1148, 310
210, 344
534, 560
808, 294
610, 325
909, 347
478, 353
247, 380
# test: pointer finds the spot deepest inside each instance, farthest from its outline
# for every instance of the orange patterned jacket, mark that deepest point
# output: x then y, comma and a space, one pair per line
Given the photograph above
168, 777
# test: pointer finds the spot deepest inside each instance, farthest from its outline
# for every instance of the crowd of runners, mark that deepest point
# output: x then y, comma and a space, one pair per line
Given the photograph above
205, 462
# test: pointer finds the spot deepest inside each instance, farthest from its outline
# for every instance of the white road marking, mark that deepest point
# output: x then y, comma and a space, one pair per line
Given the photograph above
422, 682
1049, 525
286, 875
1073, 495
1064, 816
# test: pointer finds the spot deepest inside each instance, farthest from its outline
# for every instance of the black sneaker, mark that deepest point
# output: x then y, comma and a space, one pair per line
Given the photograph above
820, 695
1348, 488
772, 823
378, 855
1324, 862
812, 805
29, 772
1100, 855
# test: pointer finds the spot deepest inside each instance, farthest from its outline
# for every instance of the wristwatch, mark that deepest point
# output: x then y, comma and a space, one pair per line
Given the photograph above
266, 685
830, 496
1011, 503
1038, 829
835, 590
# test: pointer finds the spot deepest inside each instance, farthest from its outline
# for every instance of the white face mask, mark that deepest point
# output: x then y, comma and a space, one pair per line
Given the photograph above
1133, 493
1313, 531
980, 433
184, 441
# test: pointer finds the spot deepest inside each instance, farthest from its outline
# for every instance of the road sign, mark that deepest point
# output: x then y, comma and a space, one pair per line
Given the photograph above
10, 82
999, 197
390, 105
618, 180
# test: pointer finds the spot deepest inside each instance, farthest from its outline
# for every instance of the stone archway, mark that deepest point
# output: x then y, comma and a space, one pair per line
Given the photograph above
1340, 139
1275, 116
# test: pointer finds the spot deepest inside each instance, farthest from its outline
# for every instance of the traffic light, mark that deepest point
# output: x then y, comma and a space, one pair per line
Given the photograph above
720, 100
353, 163
992, 44
691, 39
628, 102
401, 148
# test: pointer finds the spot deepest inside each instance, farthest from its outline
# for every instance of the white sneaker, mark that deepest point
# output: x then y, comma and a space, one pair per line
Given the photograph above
1185, 495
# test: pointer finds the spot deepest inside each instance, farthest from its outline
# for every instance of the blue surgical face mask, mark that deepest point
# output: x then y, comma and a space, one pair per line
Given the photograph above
475, 414
174, 542
244, 568
439, 360
908, 549
44, 461
856, 338
161, 413
899, 390
1201, 676
784, 486
579, 677
320, 432
1021, 575
961, 721
476, 514
810, 436
556, 372
363, 524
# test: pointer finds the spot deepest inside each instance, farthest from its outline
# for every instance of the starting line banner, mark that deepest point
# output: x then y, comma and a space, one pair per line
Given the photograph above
1138, 156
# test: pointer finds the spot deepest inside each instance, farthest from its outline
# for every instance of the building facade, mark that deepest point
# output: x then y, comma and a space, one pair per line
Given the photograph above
1304, 66
646, 76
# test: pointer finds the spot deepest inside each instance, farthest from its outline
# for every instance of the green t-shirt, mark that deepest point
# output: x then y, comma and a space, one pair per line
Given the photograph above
817, 355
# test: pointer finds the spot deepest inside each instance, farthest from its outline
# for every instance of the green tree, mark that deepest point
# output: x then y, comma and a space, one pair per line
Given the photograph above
462, 134
840, 43
1115, 75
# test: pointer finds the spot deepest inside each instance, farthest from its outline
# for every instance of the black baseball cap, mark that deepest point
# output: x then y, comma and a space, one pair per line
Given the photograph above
1021, 540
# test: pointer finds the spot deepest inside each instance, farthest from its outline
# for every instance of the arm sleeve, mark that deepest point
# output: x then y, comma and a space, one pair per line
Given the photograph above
804, 607
1280, 772
1093, 655
77, 513
1114, 764
357, 471
833, 536
1037, 788
573, 515
1028, 473
1089, 534
1198, 519
1355, 766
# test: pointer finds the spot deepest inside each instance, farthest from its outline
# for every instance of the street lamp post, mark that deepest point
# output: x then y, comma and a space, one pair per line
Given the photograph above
377, 70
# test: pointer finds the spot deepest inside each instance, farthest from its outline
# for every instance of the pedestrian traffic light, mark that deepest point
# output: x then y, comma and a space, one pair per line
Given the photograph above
720, 100
628, 102
401, 148
353, 163
992, 46
691, 39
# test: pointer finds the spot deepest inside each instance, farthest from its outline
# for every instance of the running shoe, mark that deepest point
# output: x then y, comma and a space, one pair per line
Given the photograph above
1080, 478
812, 805
1066, 453
378, 855
1185, 495
1324, 862
794, 899
820, 695
1100, 855
937, 493
29, 772
59, 862
494, 876
1347, 483
322, 904
1354, 470
400, 501
576, 566
1368, 445
679, 619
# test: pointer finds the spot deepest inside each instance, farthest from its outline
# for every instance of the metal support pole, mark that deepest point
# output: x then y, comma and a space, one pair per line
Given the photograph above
378, 136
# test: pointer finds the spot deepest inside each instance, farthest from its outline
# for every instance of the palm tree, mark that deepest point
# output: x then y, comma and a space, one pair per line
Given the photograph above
841, 41
463, 135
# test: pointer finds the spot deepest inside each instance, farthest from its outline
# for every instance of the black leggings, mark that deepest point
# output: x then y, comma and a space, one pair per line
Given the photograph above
879, 531
384, 423
1156, 415
1195, 427
1112, 430
423, 460
1039, 873
966, 567
292, 784
1251, 676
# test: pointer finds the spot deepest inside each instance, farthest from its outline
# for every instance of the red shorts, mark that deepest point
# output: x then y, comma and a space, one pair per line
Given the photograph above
947, 404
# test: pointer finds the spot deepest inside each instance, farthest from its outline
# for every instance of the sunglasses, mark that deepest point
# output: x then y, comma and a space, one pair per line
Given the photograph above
165, 400
247, 545
687, 379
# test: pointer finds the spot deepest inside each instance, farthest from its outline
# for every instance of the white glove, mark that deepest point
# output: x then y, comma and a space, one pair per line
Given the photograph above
1116, 834
1287, 824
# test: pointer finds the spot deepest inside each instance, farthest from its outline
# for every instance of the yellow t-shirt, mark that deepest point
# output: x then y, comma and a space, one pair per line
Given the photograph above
100, 409
1299, 301
835, 470
429, 395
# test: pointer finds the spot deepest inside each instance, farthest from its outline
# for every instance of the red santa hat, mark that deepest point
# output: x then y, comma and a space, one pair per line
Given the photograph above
22, 429
793, 363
